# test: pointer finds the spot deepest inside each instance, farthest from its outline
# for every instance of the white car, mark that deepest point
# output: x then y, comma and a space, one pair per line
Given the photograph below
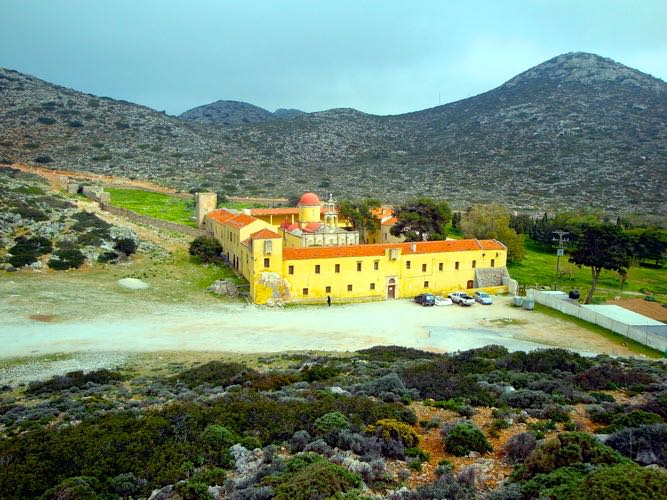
461, 298
442, 301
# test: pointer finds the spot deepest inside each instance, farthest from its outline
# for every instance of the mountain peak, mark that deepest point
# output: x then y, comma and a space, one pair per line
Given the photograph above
586, 69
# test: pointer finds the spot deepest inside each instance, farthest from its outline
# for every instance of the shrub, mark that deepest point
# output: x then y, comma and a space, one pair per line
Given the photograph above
319, 372
299, 440
46, 120
617, 481
545, 361
519, 446
67, 259
632, 419
88, 220
79, 488
126, 245
73, 379
611, 376
207, 248
393, 429
217, 436
43, 159
525, 398
127, 485
317, 480
395, 353
28, 212
464, 438
214, 373
456, 405
331, 421
646, 444
193, 490
107, 257
21, 260
567, 449
555, 484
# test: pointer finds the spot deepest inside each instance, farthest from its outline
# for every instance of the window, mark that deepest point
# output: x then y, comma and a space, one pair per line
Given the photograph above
493, 262
440, 266
358, 266
291, 270
337, 268
317, 269
267, 262
327, 289
456, 266
349, 288
385, 236
423, 268
407, 264
425, 284
372, 286
376, 265
474, 264
305, 292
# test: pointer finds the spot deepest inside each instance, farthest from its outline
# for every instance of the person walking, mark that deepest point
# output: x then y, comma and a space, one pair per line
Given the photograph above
329, 300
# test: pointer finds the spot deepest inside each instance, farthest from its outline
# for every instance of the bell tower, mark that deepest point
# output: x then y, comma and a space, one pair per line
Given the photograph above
205, 203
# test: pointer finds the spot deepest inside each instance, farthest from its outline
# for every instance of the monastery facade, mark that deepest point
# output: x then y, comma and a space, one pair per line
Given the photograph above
305, 254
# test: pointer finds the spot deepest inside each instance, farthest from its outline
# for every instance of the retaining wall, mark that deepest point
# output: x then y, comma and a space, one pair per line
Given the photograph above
647, 335
145, 219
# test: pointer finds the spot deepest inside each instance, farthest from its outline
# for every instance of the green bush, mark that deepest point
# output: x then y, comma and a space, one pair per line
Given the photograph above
331, 421
207, 248
67, 259
193, 490
75, 488
107, 257
217, 436
21, 260
569, 449
318, 480
464, 438
126, 245
395, 353
393, 429
215, 373
633, 419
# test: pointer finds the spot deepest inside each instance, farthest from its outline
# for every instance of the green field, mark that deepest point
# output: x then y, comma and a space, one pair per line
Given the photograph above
539, 269
158, 205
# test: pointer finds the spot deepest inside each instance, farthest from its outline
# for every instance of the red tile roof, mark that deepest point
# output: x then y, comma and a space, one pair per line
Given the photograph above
312, 227
240, 220
390, 221
379, 249
220, 215
264, 234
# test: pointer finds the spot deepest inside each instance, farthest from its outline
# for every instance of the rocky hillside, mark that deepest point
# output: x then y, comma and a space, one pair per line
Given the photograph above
576, 131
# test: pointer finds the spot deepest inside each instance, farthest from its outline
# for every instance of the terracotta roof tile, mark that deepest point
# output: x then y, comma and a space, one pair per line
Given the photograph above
240, 220
264, 234
390, 221
379, 249
312, 227
220, 215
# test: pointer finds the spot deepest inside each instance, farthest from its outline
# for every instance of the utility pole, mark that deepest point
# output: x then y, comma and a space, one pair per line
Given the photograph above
559, 251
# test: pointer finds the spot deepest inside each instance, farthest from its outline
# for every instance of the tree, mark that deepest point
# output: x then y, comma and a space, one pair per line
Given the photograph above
207, 248
360, 214
422, 219
492, 222
599, 247
650, 243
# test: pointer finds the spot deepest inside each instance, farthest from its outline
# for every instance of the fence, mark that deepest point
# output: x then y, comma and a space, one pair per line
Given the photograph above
648, 335
145, 219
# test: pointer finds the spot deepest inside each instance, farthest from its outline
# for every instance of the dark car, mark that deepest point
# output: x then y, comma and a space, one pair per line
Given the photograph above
425, 299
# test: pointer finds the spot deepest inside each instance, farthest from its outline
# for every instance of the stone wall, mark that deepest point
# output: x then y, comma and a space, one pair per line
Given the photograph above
647, 335
145, 219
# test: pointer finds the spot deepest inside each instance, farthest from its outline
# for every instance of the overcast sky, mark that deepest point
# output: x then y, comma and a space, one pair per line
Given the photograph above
381, 57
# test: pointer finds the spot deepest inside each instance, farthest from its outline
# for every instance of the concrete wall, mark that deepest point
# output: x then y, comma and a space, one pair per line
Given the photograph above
648, 335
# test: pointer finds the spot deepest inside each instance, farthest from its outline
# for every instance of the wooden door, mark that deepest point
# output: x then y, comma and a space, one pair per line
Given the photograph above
391, 291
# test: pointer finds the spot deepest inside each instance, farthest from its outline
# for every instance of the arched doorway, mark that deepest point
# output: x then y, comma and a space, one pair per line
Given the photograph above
391, 288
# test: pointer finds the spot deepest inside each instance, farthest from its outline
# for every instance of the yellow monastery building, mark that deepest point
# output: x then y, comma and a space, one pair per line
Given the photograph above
305, 254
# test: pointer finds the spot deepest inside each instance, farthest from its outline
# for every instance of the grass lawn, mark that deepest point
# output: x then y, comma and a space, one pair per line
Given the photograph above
539, 268
158, 205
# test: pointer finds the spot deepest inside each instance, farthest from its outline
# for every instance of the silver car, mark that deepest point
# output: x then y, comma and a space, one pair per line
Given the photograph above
483, 298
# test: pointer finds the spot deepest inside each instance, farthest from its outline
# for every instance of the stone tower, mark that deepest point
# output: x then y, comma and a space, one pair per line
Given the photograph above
204, 204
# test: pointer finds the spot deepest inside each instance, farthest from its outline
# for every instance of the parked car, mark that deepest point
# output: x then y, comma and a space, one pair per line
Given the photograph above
442, 301
425, 299
461, 298
483, 298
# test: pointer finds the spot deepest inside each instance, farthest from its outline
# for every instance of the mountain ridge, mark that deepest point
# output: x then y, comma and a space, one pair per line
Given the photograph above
578, 130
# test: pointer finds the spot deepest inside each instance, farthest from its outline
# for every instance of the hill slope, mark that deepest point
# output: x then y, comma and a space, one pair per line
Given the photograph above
576, 131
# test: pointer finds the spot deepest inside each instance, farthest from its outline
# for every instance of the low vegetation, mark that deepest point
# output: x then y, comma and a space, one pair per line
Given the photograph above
257, 431
159, 205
